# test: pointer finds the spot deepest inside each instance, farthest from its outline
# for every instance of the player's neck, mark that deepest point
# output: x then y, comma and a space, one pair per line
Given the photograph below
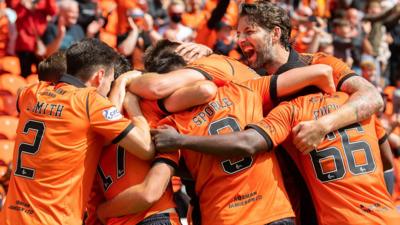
281, 57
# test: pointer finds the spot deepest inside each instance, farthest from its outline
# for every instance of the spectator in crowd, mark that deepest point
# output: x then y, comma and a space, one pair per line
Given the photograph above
382, 21
176, 31
141, 35
368, 71
341, 40
158, 11
195, 14
225, 38
65, 31
206, 33
31, 24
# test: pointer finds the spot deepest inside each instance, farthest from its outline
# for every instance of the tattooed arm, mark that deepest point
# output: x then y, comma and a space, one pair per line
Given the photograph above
364, 101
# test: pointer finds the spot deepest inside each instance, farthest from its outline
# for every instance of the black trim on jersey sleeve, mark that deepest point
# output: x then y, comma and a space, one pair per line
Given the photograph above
161, 106
166, 161
87, 106
383, 139
339, 85
263, 134
123, 134
204, 73
273, 90
17, 102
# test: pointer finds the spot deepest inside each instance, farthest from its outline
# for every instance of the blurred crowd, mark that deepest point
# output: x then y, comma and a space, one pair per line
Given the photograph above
364, 34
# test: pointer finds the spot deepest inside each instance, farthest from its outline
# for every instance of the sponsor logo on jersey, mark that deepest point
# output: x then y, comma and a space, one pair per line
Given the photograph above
112, 114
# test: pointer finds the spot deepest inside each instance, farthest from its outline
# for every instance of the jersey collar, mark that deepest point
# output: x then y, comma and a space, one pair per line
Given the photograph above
69, 79
294, 61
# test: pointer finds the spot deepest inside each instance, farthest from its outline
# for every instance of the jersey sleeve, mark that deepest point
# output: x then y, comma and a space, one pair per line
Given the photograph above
20, 97
153, 111
277, 125
211, 72
262, 87
171, 159
341, 71
105, 119
380, 131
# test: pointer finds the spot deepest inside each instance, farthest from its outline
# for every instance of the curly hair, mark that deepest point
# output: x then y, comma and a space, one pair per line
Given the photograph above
268, 15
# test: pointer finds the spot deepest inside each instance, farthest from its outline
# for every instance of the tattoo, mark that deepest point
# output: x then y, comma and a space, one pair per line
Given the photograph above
365, 98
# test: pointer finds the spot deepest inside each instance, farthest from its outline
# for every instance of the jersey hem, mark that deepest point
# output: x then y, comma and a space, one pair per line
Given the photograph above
339, 85
264, 134
123, 134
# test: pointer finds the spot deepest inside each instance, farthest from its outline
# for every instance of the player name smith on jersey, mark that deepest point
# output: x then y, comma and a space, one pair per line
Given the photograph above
47, 109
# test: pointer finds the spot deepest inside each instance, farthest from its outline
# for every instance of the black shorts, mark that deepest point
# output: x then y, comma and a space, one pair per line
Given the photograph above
285, 221
161, 219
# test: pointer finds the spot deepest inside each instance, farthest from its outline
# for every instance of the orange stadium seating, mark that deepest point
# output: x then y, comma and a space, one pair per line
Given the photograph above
11, 83
8, 104
10, 64
8, 126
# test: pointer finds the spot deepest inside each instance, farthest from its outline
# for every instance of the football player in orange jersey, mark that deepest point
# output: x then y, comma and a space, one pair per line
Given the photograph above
263, 35
61, 129
344, 173
147, 191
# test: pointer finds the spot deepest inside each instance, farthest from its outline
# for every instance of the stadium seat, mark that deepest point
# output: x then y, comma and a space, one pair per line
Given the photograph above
8, 126
8, 104
6, 151
32, 79
11, 83
10, 64
6, 156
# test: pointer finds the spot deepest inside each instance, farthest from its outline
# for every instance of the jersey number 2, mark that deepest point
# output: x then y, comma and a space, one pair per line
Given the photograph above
31, 149
227, 165
349, 149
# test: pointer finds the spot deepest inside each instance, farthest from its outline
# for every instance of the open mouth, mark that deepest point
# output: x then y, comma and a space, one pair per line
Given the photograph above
249, 52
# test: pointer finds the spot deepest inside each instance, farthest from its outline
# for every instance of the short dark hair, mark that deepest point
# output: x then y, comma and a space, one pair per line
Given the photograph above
53, 67
268, 15
86, 56
122, 65
162, 58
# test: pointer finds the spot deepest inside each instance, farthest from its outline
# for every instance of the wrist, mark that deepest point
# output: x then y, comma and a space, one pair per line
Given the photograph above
182, 141
325, 125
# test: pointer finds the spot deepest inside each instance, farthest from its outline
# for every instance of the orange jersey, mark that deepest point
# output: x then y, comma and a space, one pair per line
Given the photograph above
340, 70
60, 134
221, 69
396, 191
119, 170
345, 173
152, 111
245, 190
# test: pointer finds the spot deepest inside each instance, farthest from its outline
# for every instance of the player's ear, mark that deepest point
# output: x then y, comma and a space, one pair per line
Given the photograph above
276, 34
97, 78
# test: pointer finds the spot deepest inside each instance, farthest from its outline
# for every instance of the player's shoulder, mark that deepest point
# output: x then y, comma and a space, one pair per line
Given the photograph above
323, 58
320, 99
